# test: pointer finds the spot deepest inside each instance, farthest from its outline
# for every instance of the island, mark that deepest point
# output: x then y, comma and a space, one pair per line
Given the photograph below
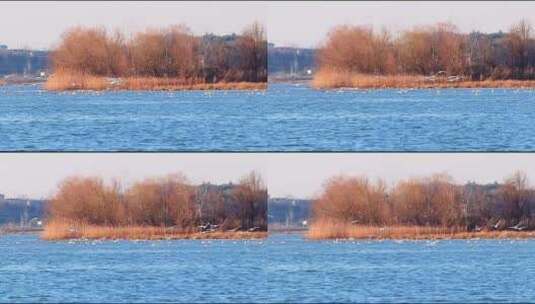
433, 207
168, 207
435, 56
172, 58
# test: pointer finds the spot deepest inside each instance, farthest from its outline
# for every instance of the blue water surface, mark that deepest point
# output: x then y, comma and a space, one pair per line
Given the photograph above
282, 268
286, 117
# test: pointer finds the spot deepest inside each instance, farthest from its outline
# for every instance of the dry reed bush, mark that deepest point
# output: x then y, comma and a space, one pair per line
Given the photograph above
353, 199
333, 230
357, 48
431, 201
174, 84
324, 230
66, 81
166, 201
427, 50
359, 57
64, 230
91, 51
158, 83
156, 207
331, 79
169, 52
248, 86
434, 206
171, 58
88, 200
60, 230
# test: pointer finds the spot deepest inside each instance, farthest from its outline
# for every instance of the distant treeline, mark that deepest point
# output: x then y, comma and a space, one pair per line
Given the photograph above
429, 201
172, 52
163, 202
430, 50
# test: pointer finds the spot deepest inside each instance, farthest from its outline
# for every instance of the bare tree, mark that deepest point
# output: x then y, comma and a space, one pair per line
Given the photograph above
251, 194
252, 45
518, 42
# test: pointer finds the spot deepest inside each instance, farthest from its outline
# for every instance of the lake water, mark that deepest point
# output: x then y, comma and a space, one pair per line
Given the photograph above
284, 118
280, 269
32, 270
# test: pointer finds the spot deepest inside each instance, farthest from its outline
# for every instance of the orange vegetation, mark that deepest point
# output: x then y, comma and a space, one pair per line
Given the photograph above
331, 79
65, 81
155, 83
332, 230
362, 57
61, 230
434, 207
172, 58
156, 208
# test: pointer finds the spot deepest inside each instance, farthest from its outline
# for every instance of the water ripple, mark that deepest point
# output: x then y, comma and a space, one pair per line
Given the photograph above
285, 118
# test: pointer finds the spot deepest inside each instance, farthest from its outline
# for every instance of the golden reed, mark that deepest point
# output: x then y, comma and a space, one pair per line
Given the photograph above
67, 81
323, 230
63, 230
330, 79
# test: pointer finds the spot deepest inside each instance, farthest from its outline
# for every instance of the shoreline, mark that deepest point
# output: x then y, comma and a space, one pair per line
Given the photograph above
325, 80
60, 231
61, 82
4, 231
360, 232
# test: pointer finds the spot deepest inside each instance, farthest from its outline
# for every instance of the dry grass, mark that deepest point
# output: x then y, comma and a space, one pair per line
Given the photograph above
330, 230
58, 230
67, 81
174, 84
328, 79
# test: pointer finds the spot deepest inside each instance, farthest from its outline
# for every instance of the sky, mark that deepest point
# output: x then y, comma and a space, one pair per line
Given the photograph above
299, 175
307, 24
40, 24
301, 24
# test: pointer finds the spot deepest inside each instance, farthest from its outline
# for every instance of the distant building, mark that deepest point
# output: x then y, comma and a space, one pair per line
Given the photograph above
22, 62
289, 212
289, 62
20, 211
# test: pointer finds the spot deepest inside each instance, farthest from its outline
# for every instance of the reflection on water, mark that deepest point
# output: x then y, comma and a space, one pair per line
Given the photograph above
284, 118
280, 269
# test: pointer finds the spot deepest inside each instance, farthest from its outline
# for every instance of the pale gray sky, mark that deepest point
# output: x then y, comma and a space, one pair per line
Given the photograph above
286, 174
306, 24
40, 24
